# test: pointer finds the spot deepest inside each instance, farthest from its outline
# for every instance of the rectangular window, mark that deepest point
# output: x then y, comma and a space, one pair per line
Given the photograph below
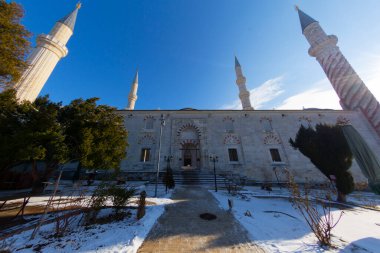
232, 153
145, 155
275, 155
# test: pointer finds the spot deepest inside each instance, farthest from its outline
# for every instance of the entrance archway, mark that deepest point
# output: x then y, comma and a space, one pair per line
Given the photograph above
190, 147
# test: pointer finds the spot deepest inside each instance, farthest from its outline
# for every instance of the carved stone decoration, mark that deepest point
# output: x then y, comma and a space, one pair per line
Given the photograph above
231, 139
195, 143
271, 138
189, 126
228, 118
304, 118
147, 140
265, 118
148, 117
343, 121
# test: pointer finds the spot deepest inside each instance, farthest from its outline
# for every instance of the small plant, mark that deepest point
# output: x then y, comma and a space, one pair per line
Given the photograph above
120, 196
96, 203
267, 187
64, 214
141, 206
316, 211
234, 184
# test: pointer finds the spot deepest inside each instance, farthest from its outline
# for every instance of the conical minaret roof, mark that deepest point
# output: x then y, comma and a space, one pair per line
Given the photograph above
237, 64
136, 80
305, 19
70, 19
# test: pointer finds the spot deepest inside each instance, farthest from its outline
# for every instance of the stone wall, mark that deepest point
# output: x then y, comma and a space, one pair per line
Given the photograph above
251, 133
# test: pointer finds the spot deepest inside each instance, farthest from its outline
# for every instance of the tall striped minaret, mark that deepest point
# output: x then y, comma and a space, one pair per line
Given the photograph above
132, 97
353, 93
43, 59
243, 92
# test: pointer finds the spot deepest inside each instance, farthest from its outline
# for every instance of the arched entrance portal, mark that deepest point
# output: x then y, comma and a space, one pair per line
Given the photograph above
190, 147
190, 156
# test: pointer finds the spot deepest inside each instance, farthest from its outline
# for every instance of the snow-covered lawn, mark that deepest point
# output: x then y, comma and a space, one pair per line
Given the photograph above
277, 227
118, 236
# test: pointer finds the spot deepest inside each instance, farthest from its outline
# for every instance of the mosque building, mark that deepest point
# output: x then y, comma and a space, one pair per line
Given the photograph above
249, 143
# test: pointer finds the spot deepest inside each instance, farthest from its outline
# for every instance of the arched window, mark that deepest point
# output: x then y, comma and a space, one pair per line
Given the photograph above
267, 125
229, 125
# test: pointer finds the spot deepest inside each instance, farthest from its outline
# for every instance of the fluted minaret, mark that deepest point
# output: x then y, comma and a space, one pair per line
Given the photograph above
351, 90
132, 97
243, 92
43, 59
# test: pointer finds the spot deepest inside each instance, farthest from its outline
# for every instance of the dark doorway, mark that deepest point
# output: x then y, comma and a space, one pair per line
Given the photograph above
187, 158
190, 156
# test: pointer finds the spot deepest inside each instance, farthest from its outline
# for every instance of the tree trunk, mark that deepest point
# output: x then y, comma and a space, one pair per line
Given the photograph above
37, 186
341, 197
76, 176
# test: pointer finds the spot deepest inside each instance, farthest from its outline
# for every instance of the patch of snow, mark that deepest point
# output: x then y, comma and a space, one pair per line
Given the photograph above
119, 236
277, 227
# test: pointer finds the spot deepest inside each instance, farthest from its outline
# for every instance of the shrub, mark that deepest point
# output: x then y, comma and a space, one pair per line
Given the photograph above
120, 196
316, 211
328, 150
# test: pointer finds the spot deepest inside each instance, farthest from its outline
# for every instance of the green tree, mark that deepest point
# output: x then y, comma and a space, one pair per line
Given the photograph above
12, 117
44, 139
14, 43
95, 134
328, 150
31, 132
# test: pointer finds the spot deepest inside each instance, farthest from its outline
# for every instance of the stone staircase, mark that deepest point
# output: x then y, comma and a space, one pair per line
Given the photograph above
196, 177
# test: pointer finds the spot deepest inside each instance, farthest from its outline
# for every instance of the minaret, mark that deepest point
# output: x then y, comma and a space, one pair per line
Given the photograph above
132, 97
351, 90
243, 92
43, 59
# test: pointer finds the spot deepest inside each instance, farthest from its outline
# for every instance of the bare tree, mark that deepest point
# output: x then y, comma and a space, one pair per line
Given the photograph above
316, 211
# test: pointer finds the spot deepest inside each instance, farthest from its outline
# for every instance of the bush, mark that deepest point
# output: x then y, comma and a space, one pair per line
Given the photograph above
120, 196
345, 184
316, 211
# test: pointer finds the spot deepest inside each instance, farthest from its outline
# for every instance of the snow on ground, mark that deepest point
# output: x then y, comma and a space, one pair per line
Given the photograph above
119, 236
358, 230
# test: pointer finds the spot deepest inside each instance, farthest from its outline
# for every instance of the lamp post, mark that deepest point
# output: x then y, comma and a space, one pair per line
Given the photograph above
159, 153
214, 159
168, 159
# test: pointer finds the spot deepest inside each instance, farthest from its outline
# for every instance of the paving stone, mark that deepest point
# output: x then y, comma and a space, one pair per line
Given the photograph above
180, 229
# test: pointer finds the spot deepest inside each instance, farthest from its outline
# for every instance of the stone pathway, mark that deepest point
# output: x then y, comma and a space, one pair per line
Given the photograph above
180, 229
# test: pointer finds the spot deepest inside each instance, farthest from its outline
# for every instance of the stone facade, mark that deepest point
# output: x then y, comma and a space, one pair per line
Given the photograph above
191, 136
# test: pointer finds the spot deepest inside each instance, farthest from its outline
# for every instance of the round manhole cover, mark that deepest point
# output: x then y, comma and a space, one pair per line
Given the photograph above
207, 216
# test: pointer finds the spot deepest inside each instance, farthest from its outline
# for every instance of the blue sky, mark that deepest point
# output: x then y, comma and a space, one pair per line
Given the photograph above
184, 51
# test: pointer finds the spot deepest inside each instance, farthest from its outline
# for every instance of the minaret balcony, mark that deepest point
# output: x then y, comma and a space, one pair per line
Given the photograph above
48, 41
